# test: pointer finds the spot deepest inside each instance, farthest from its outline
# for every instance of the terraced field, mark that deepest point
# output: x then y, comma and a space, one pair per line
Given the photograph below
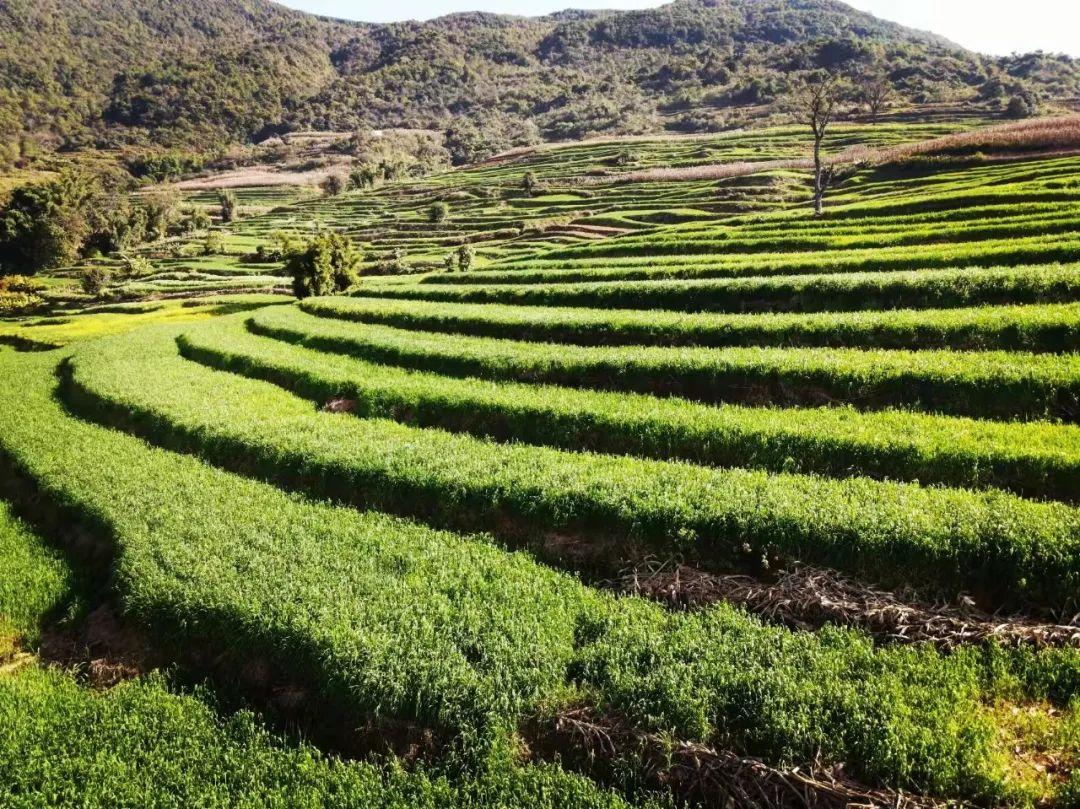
719, 504
580, 198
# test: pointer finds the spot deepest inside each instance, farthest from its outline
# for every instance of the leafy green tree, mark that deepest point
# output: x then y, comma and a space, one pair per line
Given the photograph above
364, 177
196, 219
467, 143
46, 225
160, 212
449, 262
329, 263
530, 183
438, 212
1022, 105
116, 225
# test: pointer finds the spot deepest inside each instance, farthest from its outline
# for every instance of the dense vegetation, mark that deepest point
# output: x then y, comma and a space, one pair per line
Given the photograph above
466, 518
205, 73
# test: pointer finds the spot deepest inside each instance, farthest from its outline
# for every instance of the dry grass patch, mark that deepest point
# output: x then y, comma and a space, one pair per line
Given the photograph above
1038, 745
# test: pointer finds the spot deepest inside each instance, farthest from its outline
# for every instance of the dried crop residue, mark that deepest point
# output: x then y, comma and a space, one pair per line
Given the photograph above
808, 598
340, 405
12, 656
1036, 745
699, 775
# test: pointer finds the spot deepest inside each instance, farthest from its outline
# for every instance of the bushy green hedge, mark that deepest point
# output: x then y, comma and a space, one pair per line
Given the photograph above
1038, 328
810, 293
983, 384
659, 267
1031, 458
794, 237
400, 621
1006, 548
139, 745
34, 579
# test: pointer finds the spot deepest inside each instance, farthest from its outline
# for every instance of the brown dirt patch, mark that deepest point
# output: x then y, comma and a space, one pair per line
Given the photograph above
808, 598
700, 775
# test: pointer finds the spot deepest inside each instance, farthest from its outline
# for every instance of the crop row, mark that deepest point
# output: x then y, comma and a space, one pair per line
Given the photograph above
726, 242
981, 384
646, 268
399, 621
1045, 328
1035, 459
34, 581
62, 745
895, 533
810, 293
805, 224
139, 745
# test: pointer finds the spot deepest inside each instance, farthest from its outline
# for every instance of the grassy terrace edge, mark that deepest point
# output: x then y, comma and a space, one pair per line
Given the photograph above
918, 289
1035, 459
1000, 385
1041, 328
140, 744
1002, 547
200, 556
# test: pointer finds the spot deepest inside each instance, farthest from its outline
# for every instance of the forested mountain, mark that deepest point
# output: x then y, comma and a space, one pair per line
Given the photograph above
201, 72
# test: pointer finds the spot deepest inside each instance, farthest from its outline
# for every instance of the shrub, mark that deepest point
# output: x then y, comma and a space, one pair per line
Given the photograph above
45, 225
214, 244
19, 294
160, 211
227, 200
333, 185
395, 263
196, 219
134, 266
363, 177
465, 256
94, 280
438, 212
328, 264
1023, 105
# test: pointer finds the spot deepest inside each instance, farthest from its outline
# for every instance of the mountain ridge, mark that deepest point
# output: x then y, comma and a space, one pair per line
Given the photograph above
196, 74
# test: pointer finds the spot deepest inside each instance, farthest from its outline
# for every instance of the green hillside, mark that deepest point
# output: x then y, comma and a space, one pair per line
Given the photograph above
205, 73
676, 495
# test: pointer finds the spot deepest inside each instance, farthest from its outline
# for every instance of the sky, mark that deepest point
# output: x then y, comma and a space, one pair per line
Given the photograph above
989, 26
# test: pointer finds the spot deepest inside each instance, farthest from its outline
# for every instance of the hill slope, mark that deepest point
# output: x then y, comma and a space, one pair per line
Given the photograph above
189, 72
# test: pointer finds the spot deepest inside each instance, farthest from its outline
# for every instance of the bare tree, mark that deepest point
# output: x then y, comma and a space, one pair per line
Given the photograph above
876, 92
815, 104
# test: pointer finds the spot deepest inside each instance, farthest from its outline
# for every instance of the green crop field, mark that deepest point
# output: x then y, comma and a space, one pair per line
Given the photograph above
678, 496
